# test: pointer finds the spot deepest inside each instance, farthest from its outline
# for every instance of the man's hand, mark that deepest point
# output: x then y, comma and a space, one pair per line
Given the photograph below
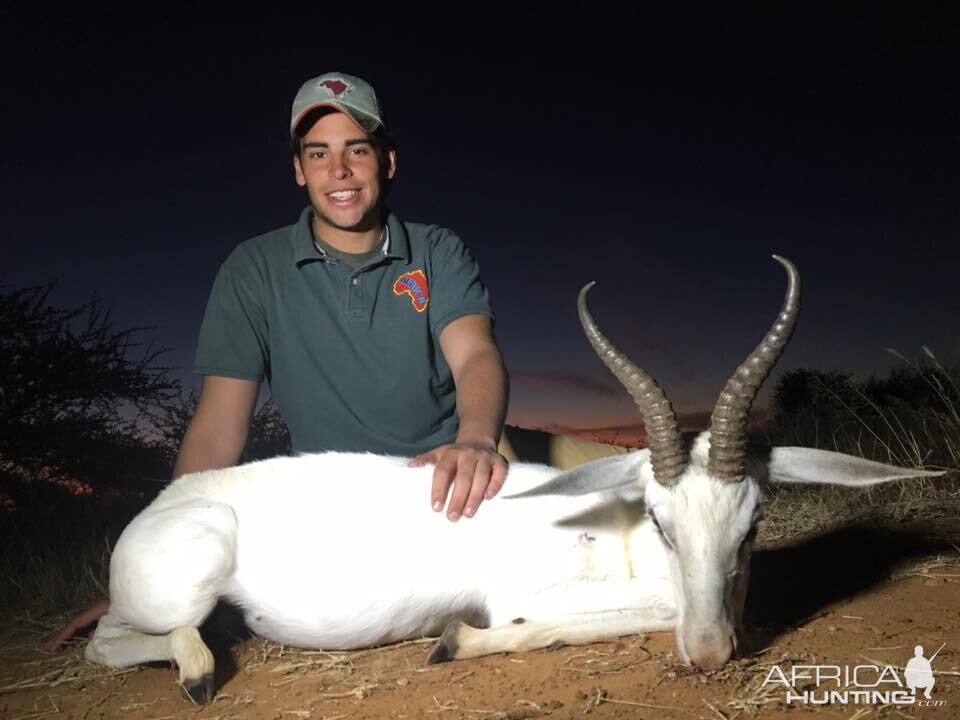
476, 472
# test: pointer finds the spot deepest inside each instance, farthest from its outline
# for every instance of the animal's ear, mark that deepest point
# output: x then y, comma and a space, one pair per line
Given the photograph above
807, 465
607, 473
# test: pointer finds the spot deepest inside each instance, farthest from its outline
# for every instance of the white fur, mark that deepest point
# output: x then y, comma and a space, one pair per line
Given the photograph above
341, 550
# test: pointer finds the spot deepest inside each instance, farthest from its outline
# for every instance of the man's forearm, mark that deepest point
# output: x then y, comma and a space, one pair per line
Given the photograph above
205, 450
482, 391
218, 430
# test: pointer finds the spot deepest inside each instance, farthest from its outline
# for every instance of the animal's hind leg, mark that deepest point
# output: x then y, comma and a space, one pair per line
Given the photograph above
169, 568
116, 644
170, 565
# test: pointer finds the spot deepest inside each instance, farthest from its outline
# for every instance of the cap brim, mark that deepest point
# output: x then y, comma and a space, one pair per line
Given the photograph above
364, 122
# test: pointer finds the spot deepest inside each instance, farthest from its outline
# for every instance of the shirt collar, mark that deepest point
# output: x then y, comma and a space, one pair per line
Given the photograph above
305, 250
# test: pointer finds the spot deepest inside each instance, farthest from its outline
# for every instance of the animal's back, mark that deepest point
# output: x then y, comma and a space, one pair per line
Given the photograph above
368, 518
343, 550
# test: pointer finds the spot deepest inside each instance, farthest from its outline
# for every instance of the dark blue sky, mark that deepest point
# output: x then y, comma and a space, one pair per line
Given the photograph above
664, 156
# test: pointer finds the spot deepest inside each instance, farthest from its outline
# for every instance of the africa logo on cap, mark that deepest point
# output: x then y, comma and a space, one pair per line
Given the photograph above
350, 95
337, 87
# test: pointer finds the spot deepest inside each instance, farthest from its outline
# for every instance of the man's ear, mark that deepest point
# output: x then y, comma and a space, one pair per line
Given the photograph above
298, 171
391, 162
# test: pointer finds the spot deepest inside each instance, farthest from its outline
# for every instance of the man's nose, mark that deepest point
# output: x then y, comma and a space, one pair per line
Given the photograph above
340, 169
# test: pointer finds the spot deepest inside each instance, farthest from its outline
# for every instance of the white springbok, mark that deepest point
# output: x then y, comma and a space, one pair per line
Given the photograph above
339, 550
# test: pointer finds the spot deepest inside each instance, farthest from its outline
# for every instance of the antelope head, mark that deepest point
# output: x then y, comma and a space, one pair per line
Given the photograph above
705, 497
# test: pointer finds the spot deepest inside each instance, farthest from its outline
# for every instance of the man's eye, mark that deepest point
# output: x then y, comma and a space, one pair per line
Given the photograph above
359, 151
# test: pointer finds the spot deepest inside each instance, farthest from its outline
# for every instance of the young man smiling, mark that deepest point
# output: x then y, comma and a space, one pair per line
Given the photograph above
375, 334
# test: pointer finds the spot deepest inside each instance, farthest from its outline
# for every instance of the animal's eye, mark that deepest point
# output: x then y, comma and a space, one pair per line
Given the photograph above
656, 523
660, 532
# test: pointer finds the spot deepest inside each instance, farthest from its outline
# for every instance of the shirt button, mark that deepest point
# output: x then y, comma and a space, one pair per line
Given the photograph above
355, 281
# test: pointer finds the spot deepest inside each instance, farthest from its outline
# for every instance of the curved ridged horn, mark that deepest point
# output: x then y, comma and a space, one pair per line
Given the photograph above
728, 422
663, 431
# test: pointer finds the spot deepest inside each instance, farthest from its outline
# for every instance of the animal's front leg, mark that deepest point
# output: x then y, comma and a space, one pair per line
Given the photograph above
569, 614
461, 641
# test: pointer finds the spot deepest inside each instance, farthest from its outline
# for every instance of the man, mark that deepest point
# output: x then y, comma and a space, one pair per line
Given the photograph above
375, 335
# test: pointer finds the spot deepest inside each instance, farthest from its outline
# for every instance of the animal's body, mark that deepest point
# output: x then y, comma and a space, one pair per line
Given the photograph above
342, 550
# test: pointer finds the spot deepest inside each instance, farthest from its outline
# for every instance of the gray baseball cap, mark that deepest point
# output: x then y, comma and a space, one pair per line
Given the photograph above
350, 95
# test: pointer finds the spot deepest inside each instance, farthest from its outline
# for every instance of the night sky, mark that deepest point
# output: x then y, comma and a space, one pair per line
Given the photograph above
665, 157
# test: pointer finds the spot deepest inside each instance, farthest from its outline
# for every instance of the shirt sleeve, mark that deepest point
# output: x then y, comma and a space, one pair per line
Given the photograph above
455, 285
234, 337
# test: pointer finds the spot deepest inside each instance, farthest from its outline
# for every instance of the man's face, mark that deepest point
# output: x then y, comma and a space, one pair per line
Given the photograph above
339, 166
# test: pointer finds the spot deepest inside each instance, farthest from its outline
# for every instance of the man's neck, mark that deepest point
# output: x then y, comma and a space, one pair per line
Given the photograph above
348, 241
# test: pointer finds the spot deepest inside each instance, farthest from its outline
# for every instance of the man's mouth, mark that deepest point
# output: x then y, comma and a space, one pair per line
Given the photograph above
343, 195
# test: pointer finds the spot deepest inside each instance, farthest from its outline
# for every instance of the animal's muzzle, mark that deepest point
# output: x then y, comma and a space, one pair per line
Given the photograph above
711, 650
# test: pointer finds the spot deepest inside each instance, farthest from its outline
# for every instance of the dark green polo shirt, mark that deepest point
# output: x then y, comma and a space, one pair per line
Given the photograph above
352, 356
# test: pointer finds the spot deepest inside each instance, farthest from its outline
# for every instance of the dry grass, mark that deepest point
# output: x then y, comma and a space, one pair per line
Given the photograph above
795, 512
939, 567
67, 667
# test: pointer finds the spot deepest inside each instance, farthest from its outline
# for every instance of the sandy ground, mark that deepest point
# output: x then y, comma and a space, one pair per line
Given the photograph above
861, 596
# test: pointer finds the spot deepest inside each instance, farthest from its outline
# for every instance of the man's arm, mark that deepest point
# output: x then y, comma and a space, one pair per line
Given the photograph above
471, 464
217, 433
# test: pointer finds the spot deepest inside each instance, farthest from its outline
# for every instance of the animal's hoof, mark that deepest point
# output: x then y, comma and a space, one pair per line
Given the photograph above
446, 648
199, 690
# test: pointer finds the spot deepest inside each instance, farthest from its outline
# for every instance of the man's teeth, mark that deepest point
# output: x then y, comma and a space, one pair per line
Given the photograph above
343, 194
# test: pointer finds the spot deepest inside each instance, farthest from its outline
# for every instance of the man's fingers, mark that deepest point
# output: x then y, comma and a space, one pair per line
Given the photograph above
497, 478
437, 495
423, 459
467, 475
442, 476
466, 465
481, 479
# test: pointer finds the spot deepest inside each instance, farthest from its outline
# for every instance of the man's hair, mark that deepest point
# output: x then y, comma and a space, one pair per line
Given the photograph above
382, 141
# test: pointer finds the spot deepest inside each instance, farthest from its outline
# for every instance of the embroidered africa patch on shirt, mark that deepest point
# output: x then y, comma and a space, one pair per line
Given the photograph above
415, 285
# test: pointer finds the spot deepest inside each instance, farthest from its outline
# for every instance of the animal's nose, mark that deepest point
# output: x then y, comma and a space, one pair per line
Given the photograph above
712, 653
